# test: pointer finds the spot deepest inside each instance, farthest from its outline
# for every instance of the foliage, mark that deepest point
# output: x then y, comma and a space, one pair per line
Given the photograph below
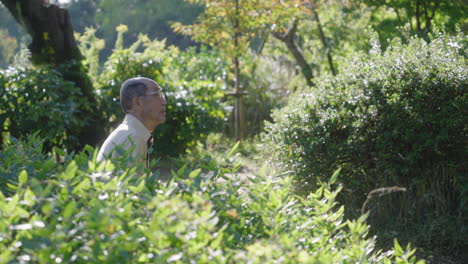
345, 28
420, 15
90, 46
225, 25
26, 155
196, 90
395, 18
391, 118
201, 64
194, 110
220, 151
34, 99
87, 212
266, 82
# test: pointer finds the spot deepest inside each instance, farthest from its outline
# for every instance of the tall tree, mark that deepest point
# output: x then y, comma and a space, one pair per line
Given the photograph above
228, 26
53, 44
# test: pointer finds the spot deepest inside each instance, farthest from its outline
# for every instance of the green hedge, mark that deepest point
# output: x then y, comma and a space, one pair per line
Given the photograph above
84, 212
396, 117
196, 105
33, 99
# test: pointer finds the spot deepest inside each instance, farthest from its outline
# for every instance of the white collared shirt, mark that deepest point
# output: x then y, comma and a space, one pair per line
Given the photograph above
130, 133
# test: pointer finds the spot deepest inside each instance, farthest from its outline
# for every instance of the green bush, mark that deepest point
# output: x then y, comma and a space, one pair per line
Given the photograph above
194, 109
195, 100
390, 118
39, 98
85, 212
23, 156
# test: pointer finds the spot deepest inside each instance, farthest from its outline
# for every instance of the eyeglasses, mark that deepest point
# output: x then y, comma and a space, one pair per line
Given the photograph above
161, 94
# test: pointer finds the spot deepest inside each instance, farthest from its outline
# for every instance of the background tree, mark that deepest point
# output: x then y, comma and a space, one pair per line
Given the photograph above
316, 31
421, 15
53, 44
284, 17
229, 26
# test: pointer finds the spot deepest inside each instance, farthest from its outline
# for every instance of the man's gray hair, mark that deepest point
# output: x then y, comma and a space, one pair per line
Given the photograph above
131, 88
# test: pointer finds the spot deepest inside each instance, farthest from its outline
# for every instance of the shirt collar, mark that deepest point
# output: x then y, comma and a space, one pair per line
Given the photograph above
136, 124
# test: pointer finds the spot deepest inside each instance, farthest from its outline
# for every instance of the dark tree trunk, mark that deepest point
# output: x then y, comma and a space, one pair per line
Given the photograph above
53, 44
418, 17
324, 42
288, 39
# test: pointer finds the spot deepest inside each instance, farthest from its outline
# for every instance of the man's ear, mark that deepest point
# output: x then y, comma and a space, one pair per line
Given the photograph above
137, 102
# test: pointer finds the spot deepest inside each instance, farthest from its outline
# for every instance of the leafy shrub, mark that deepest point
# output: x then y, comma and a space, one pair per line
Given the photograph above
39, 98
194, 110
87, 212
195, 100
23, 156
390, 118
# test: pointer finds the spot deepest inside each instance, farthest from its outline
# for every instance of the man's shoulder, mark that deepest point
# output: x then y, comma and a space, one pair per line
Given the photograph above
120, 134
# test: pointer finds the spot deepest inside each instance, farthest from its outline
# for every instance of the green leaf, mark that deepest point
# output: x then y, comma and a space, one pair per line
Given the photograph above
138, 188
181, 171
22, 178
70, 171
233, 149
195, 173
334, 177
262, 170
397, 247
69, 208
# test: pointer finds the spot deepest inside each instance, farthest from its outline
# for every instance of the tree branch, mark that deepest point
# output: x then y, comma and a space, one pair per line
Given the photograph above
288, 38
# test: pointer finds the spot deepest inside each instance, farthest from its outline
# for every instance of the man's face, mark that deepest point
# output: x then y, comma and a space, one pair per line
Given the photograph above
154, 104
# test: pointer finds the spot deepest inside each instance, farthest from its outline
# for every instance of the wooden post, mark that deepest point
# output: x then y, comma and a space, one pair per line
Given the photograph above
239, 116
238, 124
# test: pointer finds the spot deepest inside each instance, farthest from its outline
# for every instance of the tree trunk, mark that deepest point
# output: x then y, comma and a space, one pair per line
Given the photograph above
288, 39
418, 17
53, 44
324, 42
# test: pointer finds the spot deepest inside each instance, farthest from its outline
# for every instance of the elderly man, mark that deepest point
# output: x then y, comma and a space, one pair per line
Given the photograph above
144, 106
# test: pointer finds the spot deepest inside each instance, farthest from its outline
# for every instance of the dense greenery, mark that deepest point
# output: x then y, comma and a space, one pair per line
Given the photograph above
33, 99
85, 212
40, 100
394, 117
